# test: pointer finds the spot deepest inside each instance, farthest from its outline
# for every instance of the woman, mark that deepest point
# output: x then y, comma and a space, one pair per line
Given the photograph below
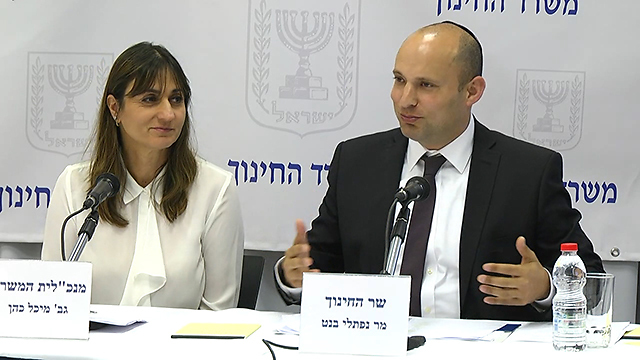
172, 236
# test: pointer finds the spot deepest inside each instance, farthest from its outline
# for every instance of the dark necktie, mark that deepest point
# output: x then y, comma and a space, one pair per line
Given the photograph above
415, 249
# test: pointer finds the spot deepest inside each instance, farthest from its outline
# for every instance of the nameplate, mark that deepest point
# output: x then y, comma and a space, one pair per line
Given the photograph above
45, 299
354, 314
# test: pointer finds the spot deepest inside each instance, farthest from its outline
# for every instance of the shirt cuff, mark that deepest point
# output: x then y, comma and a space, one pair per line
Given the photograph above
293, 293
544, 304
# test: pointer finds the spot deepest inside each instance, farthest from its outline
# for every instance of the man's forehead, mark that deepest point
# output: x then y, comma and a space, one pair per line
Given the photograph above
427, 51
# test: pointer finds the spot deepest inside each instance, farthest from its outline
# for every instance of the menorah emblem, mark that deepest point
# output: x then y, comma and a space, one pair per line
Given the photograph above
65, 84
304, 42
549, 97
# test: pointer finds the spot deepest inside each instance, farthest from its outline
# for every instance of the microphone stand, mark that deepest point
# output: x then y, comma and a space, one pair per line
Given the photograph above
85, 234
396, 250
395, 253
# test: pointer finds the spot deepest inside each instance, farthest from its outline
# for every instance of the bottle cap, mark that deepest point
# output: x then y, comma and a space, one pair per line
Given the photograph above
569, 247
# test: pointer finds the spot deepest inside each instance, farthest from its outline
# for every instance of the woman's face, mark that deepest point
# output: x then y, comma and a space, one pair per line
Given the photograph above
152, 120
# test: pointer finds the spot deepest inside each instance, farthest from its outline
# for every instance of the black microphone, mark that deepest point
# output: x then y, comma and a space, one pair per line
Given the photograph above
417, 188
107, 185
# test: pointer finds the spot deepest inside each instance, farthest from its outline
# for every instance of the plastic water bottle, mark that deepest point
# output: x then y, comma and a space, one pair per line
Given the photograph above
569, 304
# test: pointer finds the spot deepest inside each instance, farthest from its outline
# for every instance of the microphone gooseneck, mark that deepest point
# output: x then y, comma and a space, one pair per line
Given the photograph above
107, 185
416, 189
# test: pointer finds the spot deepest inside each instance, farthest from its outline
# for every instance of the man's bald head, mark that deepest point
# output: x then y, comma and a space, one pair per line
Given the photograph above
469, 52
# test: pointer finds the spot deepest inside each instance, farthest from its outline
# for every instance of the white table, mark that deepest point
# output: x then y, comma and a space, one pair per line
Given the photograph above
152, 340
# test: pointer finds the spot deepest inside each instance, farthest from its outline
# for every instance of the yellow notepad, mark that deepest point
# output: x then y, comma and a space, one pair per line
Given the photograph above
633, 334
215, 331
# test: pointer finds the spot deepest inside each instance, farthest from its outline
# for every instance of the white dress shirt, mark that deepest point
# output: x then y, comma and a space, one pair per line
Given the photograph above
194, 262
440, 293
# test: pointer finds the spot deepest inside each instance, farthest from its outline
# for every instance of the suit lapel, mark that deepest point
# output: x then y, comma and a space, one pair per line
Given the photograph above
482, 174
392, 160
388, 164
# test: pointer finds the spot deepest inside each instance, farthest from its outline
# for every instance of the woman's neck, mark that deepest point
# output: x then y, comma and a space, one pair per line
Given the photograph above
144, 166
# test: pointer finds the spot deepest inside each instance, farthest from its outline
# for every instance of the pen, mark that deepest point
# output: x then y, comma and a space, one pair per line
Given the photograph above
181, 336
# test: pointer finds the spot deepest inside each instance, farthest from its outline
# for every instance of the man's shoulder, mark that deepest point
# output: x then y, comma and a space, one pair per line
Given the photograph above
376, 139
517, 146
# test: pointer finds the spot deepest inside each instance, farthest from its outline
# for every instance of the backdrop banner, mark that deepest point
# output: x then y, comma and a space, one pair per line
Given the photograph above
278, 84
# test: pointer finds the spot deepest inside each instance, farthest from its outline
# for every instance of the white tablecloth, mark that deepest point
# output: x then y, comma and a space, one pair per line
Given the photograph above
152, 340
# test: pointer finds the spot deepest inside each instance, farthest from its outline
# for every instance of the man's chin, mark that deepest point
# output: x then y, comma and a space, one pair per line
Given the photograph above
409, 130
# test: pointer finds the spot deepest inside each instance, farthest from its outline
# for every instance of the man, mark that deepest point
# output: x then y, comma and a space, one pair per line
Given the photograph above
500, 213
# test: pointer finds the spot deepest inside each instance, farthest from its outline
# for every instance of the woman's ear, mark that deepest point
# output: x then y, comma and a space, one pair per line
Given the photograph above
112, 103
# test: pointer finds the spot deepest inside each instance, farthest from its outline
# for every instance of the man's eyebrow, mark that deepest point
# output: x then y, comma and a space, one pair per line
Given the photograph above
419, 79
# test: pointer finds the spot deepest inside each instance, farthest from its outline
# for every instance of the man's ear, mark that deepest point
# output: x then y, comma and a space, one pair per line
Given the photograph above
475, 89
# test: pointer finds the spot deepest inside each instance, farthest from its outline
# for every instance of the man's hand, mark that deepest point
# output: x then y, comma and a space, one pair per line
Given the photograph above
523, 284
296, 258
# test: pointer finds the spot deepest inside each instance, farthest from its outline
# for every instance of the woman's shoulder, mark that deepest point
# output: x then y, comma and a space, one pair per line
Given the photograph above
76, 173
210, 174
74, 182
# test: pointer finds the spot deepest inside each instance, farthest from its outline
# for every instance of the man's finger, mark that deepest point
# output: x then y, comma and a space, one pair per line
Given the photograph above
295, 263
501, 296
527, 254
504, 269
498, 281
492, 300
300, 250
494, 291
301, 233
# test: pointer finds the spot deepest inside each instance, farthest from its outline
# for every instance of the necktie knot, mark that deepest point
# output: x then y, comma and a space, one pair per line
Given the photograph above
432, 164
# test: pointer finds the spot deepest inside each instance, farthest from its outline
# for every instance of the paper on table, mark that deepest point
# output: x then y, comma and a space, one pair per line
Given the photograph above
632, 332
543, 332
454, 329
632, 327
117, 316
617, 330
289, 324
535, 331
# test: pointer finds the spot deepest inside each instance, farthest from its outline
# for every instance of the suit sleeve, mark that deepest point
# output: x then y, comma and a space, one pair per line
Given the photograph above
324, 235
558, 221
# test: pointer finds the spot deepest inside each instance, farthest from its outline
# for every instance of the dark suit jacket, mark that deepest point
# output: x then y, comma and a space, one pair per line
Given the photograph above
515, 188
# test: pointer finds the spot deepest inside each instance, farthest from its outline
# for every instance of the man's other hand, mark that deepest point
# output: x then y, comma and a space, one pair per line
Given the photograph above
519, 284
296, 258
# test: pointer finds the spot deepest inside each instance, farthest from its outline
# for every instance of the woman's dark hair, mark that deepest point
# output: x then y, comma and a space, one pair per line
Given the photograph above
141, 66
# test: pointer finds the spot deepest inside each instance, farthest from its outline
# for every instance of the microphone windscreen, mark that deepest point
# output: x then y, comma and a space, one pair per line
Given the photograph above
112, 179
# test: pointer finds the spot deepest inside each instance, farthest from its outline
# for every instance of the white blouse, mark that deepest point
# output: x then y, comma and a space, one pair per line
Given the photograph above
194, 262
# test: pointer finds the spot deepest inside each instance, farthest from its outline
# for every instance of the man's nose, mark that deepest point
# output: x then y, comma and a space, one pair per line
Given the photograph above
409, 98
